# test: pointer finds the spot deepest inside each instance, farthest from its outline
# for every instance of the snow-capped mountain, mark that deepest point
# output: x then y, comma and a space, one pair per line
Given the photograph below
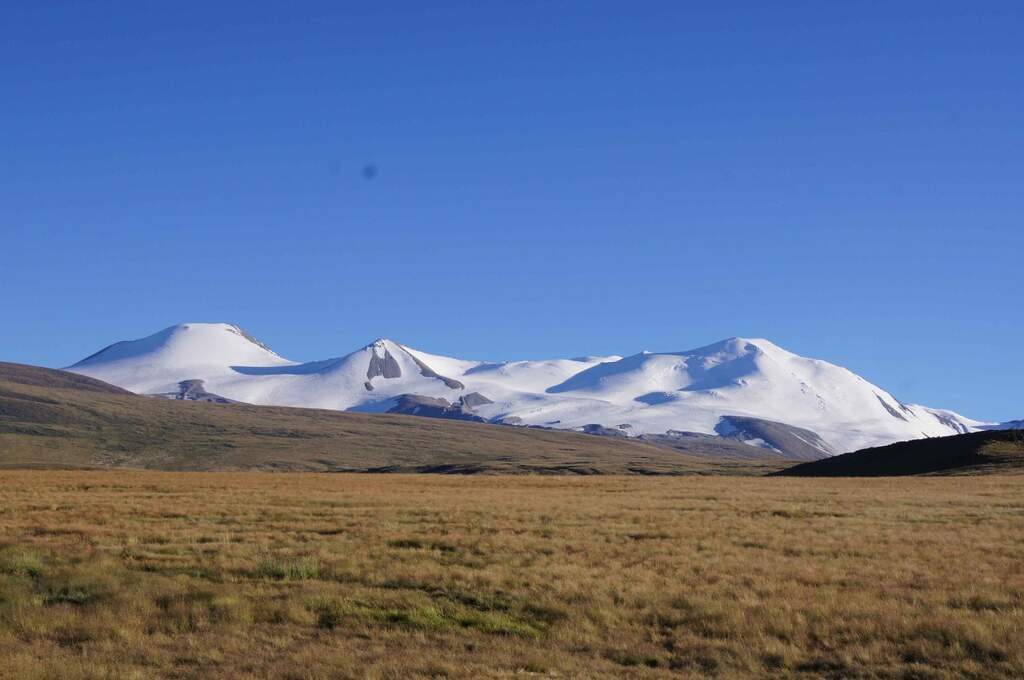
747, 389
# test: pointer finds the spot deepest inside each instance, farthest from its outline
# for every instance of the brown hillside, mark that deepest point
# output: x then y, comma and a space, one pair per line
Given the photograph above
57, 419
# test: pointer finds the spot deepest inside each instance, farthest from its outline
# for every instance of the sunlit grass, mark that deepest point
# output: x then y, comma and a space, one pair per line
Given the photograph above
150, 575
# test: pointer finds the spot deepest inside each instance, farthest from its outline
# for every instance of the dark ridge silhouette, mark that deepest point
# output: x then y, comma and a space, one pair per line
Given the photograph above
993, 451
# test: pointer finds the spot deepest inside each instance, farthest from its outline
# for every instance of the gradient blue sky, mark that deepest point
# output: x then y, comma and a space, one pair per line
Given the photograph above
554, 179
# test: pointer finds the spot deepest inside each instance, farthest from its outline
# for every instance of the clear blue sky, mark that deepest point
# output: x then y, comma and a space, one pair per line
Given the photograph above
553, 178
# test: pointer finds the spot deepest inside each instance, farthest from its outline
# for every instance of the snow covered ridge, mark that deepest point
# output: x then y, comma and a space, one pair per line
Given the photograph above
740, 388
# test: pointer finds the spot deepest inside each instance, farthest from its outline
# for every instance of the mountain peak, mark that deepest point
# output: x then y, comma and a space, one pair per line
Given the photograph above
204, 326
738, 346
190, 343
212, 328
383, 343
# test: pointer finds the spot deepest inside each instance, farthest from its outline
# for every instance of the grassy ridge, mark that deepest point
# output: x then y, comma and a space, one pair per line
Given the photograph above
151, 575
56, 419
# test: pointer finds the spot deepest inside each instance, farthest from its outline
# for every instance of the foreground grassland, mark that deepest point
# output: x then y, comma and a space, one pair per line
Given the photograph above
219, 575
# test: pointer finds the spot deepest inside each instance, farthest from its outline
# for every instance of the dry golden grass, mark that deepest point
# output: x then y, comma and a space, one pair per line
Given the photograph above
221, 575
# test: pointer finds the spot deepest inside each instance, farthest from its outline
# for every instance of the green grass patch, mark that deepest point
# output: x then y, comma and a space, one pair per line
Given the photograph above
21, 562
417, 544
289, 569
73, 595
333, 613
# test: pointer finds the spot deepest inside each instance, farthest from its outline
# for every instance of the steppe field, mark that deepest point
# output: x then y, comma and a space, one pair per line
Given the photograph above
126, 575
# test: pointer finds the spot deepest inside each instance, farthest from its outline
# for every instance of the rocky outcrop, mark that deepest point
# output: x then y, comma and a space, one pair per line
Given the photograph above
433, 407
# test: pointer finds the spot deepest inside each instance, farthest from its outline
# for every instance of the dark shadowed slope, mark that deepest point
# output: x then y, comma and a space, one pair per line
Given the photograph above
52, 418
977, 453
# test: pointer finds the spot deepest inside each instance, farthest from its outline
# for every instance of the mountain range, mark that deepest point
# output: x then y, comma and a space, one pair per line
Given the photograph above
747, 390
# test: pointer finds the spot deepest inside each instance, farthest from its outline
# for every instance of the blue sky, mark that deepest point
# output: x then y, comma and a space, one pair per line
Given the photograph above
552, 179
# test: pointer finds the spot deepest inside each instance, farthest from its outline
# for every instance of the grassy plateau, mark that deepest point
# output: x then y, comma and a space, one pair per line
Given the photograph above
139, 574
